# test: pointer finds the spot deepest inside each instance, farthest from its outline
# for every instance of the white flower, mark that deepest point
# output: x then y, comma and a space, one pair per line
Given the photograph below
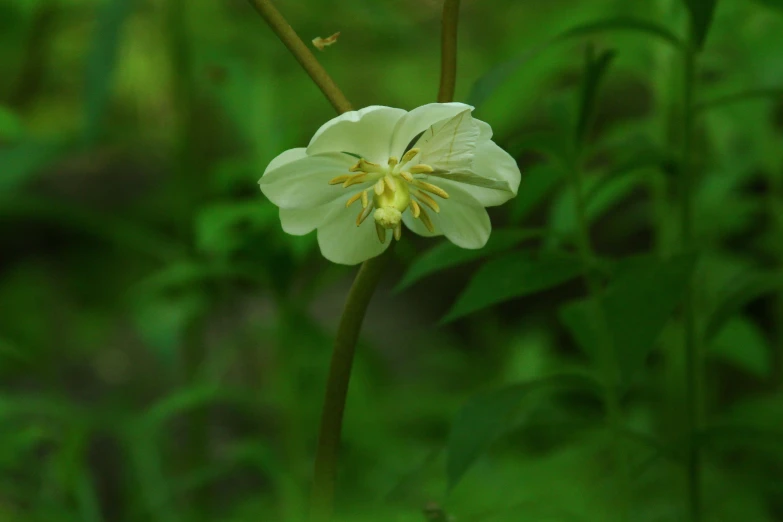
434, 168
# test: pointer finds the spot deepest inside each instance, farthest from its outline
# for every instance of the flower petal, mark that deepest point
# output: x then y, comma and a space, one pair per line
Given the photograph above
450, 144
342, 242
286, 157
304, 183
301, 221
462, 219
494, 177
366, 133
420, 119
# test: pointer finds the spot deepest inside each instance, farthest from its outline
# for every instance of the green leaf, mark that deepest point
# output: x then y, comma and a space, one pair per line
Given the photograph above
484, 87
487, 416
772, 4
743, 345
101, 63
447, 255
196, 397
21, 162
222, 228
514, 275
10, 125
640, 161
770, 94
738, 294
636, 307
595, 70
701, 16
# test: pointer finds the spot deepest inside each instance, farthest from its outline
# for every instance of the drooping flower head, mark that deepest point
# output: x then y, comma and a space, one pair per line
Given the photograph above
366, 173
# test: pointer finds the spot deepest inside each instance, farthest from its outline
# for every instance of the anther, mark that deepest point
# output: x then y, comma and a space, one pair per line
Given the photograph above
365, 199
353, 199
381, 233
421, 169
415, 209
410, 155
363, 215
406, 176
398, 231
356, 167
425, 218
356, 178
338, 179
429, 187
379, 187
393, 161
390, 182
427, 200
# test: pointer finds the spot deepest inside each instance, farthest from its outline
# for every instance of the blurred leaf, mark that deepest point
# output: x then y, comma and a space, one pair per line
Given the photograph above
10, 125
150, 481
537, 183
87, 498
196, 397
486, 416
222, 228
636, 307
447, 255
102, 62
771, 94
484, 87
549, 143
20, 162
642, 159
514, 275
701, 16
743, 345
595, 70
774, 4
739, 293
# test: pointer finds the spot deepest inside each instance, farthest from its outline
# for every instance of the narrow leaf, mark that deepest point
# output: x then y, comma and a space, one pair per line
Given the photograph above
738, 294
636, 307
514, 275
770, 94
538, 182
101, 63
447, 255
487, 416
742, 344
595, 70
701, 16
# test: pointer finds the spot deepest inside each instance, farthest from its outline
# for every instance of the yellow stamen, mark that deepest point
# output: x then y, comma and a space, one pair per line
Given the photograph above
425, 218
338, 179
407, 176
398, 232
353, 199
356, 167
381, 233
415, 208
427, 200
379, 187
421, 169
363, 215
390, 182
355, 179
365, 199
410, 155
429, 187
393, 161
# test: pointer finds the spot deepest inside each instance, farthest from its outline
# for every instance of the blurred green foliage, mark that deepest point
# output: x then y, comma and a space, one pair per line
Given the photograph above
163, 344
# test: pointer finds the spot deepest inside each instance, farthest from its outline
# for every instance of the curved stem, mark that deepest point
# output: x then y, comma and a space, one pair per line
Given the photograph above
322, 500
448, 60
302, 53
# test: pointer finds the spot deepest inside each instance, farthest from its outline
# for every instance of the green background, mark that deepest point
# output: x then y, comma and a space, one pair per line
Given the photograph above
164, 345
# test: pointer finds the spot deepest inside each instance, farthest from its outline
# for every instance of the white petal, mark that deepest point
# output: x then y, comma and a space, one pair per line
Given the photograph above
450, 144
494, 177
420, 119
366, 133
304, 183
286, 157
342, 242
462, 219
485, 131
301, 221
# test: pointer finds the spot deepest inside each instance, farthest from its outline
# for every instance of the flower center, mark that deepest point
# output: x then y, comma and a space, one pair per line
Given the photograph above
397, 186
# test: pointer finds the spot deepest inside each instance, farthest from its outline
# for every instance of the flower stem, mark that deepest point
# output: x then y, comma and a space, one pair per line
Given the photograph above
692, 351
302, 53
322, 499
448, 59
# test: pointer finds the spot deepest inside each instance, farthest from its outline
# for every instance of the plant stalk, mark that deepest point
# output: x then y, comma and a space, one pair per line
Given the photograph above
448, 57
302, 53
